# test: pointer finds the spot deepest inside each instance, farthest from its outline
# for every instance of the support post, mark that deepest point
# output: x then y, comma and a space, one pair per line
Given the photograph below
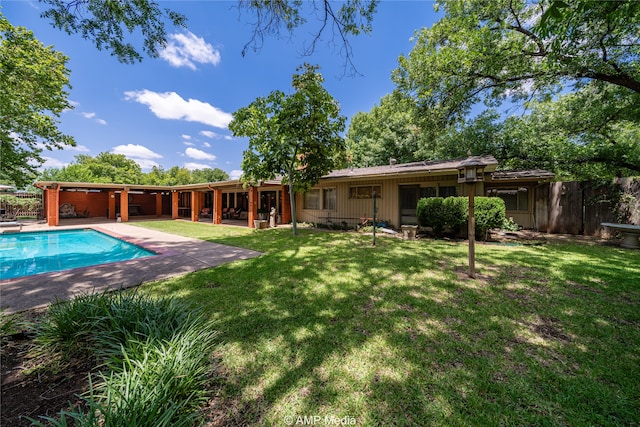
124, 205
374, 218
472, 231
53, 205
217, 206
175, 198
253, 206
159, 203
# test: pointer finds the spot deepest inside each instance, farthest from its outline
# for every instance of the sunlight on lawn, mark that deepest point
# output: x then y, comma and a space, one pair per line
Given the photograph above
325, 324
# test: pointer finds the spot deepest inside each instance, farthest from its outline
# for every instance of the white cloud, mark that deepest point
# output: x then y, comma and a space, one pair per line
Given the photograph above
139, 154
192, 165
80, 148
194, 153
91, 115
213, 135
136, 152
235, 174
190, 144
170, 105
146, 164
187, 49
50, 162
185, 136
206, 145
209, 134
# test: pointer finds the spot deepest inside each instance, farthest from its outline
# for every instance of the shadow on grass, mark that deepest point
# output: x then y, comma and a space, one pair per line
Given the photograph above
326, 325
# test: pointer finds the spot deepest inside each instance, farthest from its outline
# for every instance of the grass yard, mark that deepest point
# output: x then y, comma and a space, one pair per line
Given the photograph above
325, 325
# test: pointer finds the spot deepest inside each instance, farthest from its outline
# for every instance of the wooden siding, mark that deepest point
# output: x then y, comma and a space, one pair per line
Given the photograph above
351, 211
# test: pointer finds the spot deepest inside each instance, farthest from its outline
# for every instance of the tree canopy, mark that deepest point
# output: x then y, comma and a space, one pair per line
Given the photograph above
117, 168
572, 67
488, 51
387, 131
295, 136
105, 23
34, 81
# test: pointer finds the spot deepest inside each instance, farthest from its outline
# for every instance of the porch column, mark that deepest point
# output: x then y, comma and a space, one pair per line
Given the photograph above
195, 205
53, 201
124, 205
217, 206
286, 205
112, 205
253, 206
159, 203
175, 198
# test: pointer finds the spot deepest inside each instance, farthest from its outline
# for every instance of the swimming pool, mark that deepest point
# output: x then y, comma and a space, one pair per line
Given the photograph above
26, 254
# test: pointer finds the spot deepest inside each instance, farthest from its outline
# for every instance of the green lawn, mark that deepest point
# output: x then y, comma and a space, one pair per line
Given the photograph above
325, 324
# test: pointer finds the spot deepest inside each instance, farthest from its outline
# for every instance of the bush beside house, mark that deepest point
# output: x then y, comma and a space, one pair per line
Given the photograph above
452, 212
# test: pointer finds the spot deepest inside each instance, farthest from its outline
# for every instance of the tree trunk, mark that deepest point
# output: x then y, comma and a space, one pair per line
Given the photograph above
292, 202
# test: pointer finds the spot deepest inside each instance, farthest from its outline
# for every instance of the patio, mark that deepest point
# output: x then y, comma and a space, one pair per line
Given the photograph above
177, 255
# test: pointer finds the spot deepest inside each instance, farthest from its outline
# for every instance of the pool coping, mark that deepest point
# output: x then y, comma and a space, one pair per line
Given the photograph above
176, 255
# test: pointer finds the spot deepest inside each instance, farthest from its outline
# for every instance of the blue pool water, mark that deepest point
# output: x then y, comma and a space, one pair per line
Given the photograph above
25, 254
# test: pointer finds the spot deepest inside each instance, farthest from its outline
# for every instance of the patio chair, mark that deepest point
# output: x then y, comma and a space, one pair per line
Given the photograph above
236, 213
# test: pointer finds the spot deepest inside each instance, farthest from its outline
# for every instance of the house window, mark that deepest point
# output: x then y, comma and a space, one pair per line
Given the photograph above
329, 199
448, 191
427, 192
312, 199
515, 199
365, 192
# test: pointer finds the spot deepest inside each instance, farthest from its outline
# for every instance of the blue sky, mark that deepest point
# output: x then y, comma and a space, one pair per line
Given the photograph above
174, 110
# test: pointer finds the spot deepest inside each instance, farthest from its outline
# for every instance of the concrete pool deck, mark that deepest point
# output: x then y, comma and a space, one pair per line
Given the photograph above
177, 255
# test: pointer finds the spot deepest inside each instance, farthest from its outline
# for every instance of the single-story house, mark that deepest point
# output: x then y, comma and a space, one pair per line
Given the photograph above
342, 197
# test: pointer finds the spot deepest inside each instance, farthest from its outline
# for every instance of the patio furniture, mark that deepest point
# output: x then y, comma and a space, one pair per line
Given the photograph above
10, 224
7, 217
236, 213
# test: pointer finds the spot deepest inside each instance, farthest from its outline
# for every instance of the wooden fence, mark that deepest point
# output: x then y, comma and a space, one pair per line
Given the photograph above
580, 207
22, 204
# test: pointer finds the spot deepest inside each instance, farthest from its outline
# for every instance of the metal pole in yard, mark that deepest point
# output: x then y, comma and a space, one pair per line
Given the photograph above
374, 218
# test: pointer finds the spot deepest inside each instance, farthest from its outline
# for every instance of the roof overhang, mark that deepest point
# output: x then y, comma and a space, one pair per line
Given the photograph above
430, 168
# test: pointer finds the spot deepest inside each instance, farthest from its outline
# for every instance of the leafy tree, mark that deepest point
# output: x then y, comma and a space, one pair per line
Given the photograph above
208, 175
296, 136
180, 176
513, 48
387, 131
33, 79
574, 66
104, 22
105, 167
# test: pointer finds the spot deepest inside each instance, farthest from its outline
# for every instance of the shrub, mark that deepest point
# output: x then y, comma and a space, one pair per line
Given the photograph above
453, 212
489, 213
456, 212
510, 225
155, 352
430, 213
440, 213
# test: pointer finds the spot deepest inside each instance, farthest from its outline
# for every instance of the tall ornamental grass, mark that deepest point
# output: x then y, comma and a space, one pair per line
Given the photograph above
155, 355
